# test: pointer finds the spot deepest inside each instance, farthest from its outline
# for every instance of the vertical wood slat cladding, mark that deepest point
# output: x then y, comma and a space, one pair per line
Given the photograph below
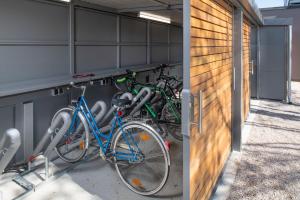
210, 72
247, 68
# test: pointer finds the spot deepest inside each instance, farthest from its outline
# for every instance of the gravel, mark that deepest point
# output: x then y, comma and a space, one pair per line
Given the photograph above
270, 164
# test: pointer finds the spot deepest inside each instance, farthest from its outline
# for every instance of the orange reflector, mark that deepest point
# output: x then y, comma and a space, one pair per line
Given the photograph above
137, 182
81, 144
144, 136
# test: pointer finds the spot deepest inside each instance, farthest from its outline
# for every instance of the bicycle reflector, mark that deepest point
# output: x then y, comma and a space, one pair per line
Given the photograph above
137, 182
120, 113
144, 136
81, 144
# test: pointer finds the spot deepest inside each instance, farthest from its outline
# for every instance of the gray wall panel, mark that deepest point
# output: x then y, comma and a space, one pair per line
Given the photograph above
295, 14
44, 110
95, 26
176, 34
159, 33
272, 70
21, 63
133, 30
176, 53
95, 58
6, 119
34, 21
133, 55
159, 54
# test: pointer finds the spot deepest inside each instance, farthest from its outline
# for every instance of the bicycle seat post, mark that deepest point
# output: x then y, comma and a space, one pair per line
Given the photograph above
83, 87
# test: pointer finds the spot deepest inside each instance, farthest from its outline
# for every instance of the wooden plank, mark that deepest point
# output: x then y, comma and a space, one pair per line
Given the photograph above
209, 58
203, 51
195, 32
204, 42
207, 26
197, 80
199, 14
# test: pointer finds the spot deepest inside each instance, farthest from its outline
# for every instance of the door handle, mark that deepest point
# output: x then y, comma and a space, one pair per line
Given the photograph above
252, 67
198, 122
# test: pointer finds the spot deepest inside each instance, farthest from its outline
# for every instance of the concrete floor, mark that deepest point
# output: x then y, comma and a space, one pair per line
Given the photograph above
270, 163
97, 180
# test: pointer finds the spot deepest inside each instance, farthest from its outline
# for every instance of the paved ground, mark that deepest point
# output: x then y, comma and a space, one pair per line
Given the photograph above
296, 93
270, 165
95, 180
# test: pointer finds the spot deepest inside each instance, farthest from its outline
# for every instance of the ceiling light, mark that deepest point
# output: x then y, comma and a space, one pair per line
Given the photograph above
154, 17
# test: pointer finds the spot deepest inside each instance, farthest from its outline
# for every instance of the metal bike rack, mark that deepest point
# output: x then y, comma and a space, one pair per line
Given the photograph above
9, 144
126, 95
99, 106
144, 91
39, 157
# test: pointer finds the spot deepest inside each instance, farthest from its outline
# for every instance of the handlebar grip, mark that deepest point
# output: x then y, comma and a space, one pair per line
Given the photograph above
121, 80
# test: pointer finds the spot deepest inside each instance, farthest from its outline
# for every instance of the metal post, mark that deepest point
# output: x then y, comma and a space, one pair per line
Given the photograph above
28, 129
237, 103
186, 98
148, 43
258, 64
72, 38
118, 43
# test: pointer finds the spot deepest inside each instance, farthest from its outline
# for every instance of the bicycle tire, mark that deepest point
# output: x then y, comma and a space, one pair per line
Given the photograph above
133, 179
83, 146
173, 128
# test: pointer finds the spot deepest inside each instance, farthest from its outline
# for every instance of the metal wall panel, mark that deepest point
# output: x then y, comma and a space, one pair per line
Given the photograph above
23, 63
133, 55
95, 58
159, 54
176, 53
176, 34
254, 58
95, 26
33, 21
133, 30
33, 40
44, 109
293, 13
6, 119
273, 66
159, 33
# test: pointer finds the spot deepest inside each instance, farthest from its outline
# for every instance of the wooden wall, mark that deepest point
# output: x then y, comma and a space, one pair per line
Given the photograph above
247, 68
211, 72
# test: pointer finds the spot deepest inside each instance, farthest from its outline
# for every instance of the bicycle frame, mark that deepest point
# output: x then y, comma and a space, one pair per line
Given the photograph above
81, 106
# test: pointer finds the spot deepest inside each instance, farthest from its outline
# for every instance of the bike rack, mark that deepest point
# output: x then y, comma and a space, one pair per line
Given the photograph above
113, 109
99, 106
144, 91
39, 157
9, 145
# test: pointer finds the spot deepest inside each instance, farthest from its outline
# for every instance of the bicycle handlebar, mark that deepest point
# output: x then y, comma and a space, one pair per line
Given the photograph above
82, 87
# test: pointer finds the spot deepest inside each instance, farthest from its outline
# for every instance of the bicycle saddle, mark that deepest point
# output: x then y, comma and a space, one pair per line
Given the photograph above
121, 102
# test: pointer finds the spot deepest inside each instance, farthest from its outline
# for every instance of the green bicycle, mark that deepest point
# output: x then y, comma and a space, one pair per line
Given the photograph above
163, 108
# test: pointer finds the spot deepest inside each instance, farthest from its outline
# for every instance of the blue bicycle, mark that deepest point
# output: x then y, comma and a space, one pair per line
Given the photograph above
138, 152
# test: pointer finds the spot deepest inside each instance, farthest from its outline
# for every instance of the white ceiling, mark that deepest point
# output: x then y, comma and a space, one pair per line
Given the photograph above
166, 8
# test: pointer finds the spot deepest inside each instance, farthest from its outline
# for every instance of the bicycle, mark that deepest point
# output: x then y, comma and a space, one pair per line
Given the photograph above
168, 108
137, 151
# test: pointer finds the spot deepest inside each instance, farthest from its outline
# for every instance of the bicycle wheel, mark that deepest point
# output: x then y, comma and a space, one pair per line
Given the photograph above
141, 158
172, 125
74, 144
